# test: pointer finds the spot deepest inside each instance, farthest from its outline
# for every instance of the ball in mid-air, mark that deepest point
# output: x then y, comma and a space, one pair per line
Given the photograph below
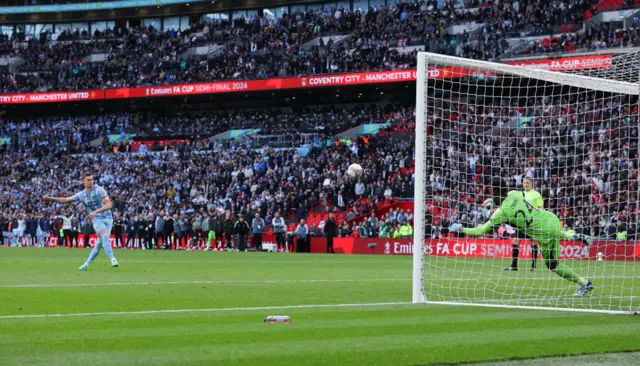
354, 171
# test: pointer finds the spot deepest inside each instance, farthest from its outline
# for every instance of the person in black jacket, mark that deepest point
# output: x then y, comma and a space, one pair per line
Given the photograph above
4, 227
343, 231
168, 232
242, 229
228, 228
330, 231
148, 232
127, 223
32, 230
118, 229
132, 231
428, 221
217, 229
142, 232
75, 230
188, 232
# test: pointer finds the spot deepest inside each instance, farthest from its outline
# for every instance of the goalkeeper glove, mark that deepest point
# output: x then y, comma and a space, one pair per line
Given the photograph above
457, 228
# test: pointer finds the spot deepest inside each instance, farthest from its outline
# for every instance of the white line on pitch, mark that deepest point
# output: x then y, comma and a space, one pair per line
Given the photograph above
191, 283
168, 311
14, 260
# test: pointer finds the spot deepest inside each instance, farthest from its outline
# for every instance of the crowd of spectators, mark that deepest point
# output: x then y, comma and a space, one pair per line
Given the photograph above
579, 153
578, 150
73, 135
55, 136
593, 39
242, 181
269, 47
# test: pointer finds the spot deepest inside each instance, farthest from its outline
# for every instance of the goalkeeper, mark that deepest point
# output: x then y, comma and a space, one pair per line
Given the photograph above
539, 225
535, 199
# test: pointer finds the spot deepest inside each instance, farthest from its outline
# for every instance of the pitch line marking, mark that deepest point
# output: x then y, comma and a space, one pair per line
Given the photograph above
190, 283
170, 311
28, 260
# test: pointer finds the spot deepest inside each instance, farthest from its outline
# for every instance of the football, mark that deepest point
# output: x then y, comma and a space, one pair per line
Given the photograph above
354, 171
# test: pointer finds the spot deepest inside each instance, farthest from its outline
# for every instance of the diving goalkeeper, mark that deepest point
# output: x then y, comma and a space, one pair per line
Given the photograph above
539, 225
535, 199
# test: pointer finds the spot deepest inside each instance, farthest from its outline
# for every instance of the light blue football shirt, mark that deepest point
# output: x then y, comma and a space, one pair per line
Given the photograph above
94, 200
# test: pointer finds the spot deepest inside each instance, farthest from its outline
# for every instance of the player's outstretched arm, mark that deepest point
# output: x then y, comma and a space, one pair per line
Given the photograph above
63, 200
483, 229
497, 218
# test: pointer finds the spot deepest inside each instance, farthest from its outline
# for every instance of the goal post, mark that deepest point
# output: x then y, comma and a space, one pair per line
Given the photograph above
575, 135
419, 189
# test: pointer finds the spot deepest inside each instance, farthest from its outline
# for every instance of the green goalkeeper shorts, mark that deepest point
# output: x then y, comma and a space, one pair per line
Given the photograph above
550, 249
212, 235
544, 228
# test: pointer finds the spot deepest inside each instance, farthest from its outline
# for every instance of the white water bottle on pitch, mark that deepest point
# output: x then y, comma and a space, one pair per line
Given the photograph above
277, 319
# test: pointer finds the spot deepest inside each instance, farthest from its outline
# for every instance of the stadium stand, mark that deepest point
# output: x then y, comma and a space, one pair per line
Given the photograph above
168, 167
381, 38
270, 180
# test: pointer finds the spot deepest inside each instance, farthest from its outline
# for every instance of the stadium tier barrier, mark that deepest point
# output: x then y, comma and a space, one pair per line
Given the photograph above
446, 247
358, 78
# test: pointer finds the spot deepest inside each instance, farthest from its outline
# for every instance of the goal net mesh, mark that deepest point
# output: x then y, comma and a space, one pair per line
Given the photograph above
574, 134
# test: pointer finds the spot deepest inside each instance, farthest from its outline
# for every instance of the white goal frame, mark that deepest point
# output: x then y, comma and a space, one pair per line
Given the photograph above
569, 79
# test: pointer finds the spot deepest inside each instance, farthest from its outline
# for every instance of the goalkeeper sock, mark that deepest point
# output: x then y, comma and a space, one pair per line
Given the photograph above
569, 274
534, 256
515, 252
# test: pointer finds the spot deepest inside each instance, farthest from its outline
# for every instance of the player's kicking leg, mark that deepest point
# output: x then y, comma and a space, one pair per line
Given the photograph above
551, 252
103, 228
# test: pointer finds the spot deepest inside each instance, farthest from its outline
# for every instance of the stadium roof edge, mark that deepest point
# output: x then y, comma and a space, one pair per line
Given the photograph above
143, 9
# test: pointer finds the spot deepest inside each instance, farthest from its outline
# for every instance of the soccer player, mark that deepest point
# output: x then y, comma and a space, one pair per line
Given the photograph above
539, 225
535, 199
95, 200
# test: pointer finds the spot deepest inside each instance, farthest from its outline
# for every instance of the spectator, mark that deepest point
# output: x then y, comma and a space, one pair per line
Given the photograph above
132, 232
302, 235
168, 235
242, 229
330, 231
118, 229
159, 229
279, 229
257, 228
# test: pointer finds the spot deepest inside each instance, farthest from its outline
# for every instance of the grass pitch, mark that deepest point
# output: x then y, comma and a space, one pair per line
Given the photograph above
186, 308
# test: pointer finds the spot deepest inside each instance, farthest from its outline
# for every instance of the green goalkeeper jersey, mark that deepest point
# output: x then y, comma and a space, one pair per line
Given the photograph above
517, 211
534, 198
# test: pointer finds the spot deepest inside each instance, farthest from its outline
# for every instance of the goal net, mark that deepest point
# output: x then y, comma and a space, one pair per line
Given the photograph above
572, 136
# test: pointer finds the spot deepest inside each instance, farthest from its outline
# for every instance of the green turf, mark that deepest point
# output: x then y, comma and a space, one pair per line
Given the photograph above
222, 329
